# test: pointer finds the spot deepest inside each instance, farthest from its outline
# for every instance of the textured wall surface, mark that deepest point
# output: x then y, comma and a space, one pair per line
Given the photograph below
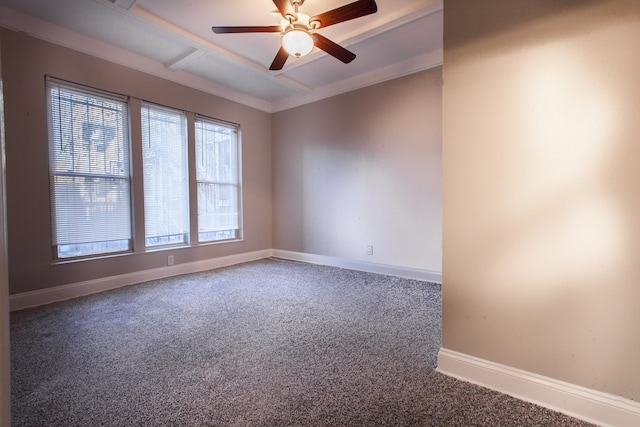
363, 168
540, 188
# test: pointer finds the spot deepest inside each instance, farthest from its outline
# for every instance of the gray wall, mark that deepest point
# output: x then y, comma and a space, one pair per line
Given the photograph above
363, 168
25, 62
540, 196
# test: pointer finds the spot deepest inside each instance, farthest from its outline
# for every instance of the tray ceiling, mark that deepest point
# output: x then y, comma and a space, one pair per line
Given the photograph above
173, 40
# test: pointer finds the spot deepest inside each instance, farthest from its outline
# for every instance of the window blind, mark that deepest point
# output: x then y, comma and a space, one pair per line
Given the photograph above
90, 182
218, 179
166, 196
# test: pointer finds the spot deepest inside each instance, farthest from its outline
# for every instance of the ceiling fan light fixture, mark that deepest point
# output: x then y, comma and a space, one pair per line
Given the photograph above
299, 30
297, 42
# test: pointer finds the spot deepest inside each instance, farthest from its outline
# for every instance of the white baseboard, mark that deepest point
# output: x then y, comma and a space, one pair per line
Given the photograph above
392, 270
74, 290
579, 402
61, 293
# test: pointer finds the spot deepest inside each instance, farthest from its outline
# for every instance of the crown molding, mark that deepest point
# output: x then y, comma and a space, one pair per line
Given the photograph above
127, 4
381, 75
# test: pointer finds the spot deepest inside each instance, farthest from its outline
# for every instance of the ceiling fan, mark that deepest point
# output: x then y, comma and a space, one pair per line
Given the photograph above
298, 30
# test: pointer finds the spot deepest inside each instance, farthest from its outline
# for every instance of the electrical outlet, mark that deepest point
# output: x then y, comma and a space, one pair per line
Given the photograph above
170, 260
369, 249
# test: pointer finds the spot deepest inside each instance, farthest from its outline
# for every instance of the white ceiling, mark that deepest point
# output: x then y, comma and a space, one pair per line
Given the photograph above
173, 39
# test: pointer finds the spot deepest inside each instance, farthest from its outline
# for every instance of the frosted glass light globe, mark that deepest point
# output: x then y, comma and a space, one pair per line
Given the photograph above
297, 42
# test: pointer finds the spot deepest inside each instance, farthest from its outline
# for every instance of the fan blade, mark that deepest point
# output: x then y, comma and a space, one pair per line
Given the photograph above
284, 7
229, 30
346, 13
279, 60
334, 49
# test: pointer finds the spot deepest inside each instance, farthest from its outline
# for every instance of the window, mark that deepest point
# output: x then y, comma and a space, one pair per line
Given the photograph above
91, 181
166, 196
217, 177
89, 170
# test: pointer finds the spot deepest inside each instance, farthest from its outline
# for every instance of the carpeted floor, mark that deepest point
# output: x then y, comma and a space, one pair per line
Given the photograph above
267, 343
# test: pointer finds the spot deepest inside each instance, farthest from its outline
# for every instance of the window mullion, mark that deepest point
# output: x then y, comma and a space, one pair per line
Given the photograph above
193, 188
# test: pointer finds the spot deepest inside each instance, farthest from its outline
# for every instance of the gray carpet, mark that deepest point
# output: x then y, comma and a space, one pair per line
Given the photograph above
267, 343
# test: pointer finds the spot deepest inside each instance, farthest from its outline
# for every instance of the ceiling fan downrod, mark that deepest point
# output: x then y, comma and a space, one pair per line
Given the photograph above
295, 20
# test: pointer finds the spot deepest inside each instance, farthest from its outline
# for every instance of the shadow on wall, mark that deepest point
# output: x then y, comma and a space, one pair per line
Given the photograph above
543, 203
